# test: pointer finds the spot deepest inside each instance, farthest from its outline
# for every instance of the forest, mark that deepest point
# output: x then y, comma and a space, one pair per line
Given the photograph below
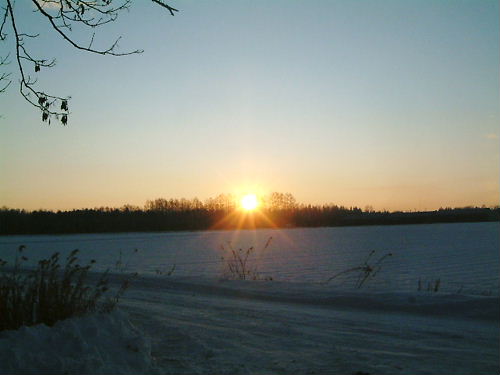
277, 210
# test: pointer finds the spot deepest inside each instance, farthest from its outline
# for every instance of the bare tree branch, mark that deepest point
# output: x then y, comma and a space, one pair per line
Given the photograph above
43, 101
4, 19
51, 19
166, 6
62, 16
4, 77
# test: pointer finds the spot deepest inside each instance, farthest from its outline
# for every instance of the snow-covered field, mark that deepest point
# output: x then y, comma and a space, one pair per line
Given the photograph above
464, 256
195, 322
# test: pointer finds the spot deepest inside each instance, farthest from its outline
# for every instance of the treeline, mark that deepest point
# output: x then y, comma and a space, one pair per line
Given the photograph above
222, 202
222, 212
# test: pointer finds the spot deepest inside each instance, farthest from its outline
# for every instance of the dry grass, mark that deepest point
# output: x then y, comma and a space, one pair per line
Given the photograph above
365, 272
238, 263
51, 292
432, 286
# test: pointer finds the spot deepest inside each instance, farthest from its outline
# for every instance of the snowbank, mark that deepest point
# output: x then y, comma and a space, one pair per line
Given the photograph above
93, 344
196, 326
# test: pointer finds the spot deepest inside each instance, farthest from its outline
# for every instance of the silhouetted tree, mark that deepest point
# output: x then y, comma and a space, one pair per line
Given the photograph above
280, 201
62, 17
222, 202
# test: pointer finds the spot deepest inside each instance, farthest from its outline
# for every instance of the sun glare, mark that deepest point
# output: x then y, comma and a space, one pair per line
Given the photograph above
249, 202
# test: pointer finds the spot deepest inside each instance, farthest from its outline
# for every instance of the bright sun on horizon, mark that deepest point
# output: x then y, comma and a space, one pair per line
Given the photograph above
249, 202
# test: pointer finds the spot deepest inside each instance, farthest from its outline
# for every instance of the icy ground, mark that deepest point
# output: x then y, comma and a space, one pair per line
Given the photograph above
193, 326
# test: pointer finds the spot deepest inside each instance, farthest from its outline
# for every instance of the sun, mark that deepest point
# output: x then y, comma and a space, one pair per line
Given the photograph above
249, 202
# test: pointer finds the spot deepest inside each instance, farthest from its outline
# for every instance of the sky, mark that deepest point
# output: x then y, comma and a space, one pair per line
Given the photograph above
392, 104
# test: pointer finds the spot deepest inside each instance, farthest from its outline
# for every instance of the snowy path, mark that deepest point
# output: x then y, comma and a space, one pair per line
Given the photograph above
208, 329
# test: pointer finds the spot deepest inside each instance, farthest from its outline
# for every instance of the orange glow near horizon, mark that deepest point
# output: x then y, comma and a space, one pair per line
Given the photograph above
249, 202
246, 216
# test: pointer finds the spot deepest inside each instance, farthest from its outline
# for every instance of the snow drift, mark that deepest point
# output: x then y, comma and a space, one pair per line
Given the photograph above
196, 326
93, 344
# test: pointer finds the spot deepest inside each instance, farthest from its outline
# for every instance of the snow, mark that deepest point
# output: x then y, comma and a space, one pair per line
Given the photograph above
463, 256
93, 344
185, 325
194, 322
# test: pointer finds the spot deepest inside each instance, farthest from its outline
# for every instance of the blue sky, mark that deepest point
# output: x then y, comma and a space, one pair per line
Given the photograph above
393, 104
